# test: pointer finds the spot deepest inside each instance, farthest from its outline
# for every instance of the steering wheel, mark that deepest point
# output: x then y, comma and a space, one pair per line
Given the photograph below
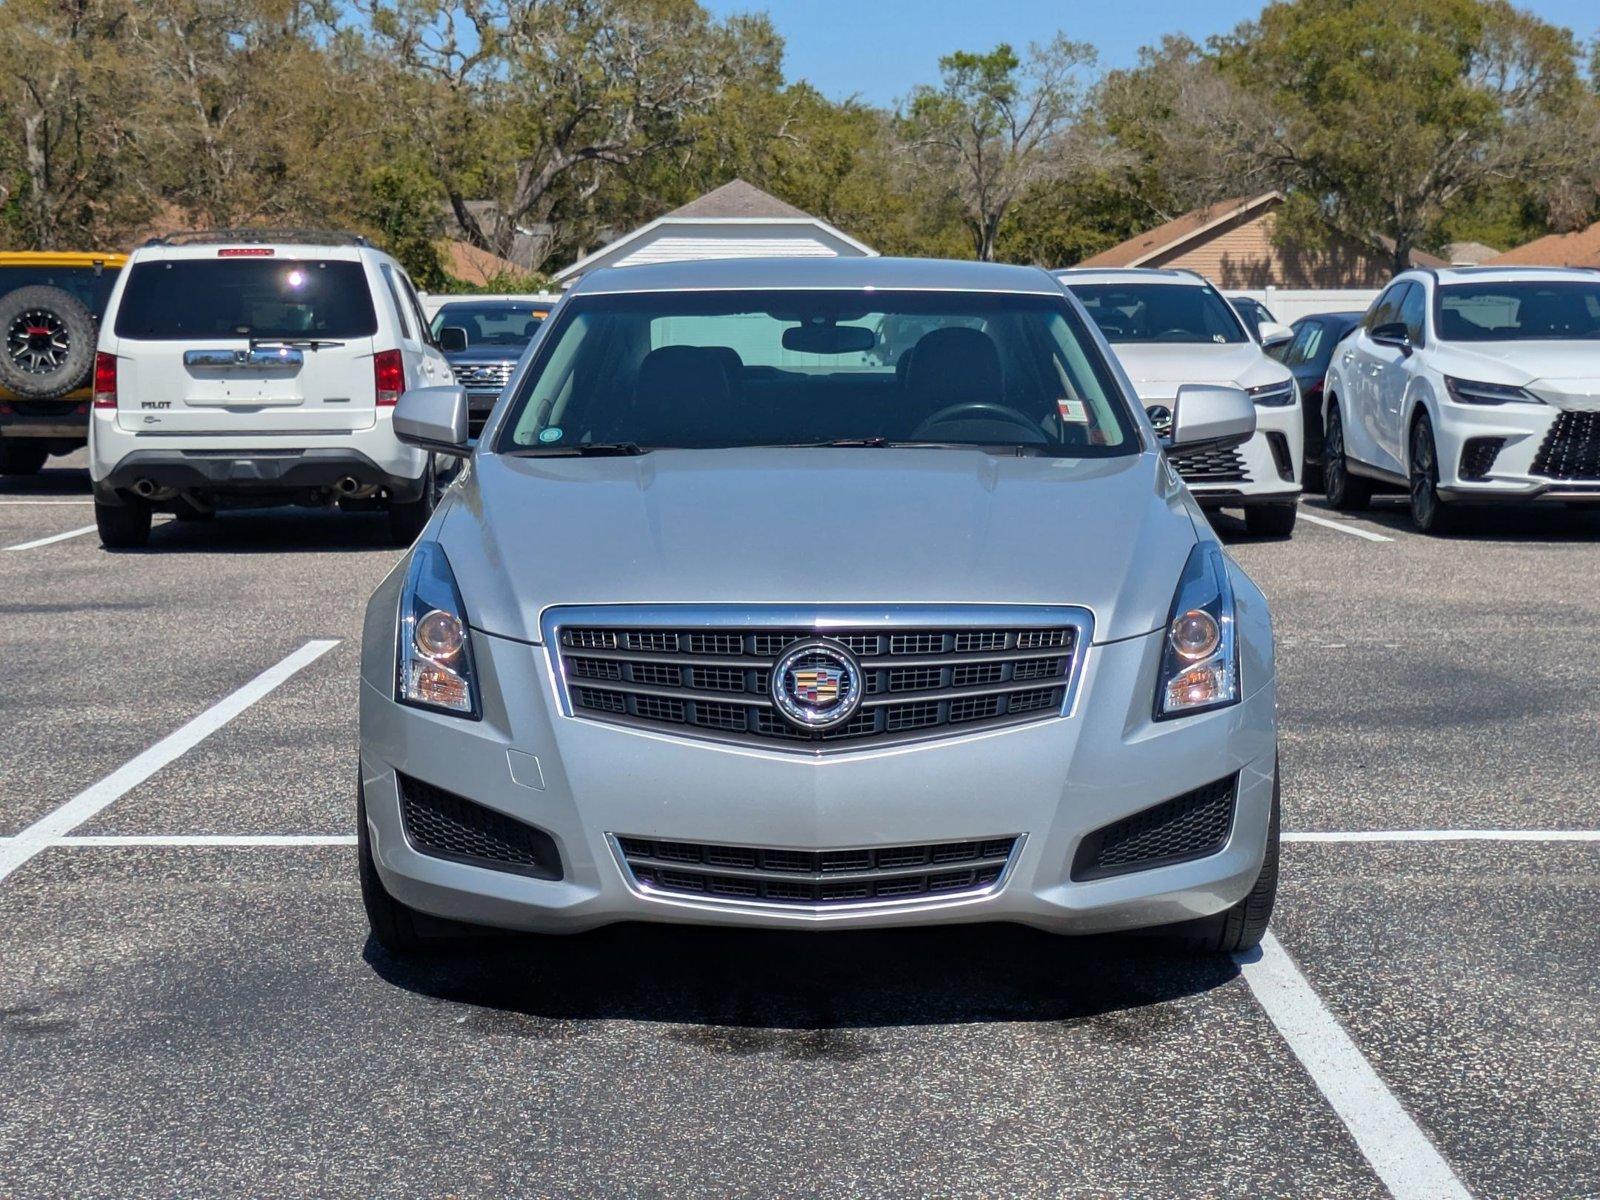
982, 408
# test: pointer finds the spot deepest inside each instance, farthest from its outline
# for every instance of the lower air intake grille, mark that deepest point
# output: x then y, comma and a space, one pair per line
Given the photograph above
1209, 466
1571, 450
1278, 443
1189, 826
443, 825
815, 877
1478, 455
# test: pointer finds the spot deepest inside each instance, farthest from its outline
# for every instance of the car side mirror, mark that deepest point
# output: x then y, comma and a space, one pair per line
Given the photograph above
434, 418
452, 339
1213, 418
1393, 334
1274, 334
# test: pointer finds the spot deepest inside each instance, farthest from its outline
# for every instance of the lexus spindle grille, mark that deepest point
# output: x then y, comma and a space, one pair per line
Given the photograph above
1571, 450
738, 874
1193, 825
917, 681
1210, 466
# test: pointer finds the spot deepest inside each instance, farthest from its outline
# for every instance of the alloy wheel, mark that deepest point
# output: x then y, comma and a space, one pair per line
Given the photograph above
37, 342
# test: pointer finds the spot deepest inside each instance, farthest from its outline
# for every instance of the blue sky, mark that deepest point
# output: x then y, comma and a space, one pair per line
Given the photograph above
878, 49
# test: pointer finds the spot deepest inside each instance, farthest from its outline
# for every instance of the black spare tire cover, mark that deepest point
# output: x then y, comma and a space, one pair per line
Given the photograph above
49, 336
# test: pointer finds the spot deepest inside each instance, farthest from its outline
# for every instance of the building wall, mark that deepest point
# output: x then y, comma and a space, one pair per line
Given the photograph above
1240, 254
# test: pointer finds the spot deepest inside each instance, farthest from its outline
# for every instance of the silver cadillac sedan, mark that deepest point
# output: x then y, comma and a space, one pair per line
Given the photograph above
822, 594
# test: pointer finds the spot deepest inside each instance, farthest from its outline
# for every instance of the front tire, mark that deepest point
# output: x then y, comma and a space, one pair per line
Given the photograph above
22, 458
407, 518
1271, 520
1242, 926
124, 526
1429, 511
1345, 492
393, 924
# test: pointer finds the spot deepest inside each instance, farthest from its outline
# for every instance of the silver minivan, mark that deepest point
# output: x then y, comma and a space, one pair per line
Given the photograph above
836, 593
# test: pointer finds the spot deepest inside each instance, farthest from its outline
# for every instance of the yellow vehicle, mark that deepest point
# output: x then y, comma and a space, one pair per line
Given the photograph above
50, 309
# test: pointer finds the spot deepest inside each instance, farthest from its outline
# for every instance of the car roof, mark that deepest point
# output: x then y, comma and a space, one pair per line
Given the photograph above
789, 274
1333, 316
1170, 275
1447, 275
59, 258
208, 250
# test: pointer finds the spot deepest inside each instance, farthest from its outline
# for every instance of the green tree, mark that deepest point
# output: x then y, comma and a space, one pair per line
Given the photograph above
1388, 114
996, 125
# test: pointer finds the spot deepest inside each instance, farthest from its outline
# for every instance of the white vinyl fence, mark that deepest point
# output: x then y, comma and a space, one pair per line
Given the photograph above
1290, 304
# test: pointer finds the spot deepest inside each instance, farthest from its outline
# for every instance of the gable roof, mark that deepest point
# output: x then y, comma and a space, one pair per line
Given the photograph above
1142, 247
736, 198
469, 264
1578, 249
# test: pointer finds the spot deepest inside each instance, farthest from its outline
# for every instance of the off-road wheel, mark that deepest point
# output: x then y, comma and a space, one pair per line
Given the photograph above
49, 336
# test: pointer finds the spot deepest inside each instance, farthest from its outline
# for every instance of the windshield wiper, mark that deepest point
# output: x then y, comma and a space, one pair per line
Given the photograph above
581, 450
293, 343
876, 443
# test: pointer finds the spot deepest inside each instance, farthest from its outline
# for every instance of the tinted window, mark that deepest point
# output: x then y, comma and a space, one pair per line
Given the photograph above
1303, 346
91, 286
246, 297
1386, 310
1159, 312
1524, 311
1411, 312
399, 305
492, 323
725, 369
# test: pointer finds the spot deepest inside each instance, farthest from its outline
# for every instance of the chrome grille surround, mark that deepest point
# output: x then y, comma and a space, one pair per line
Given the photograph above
928, 669
815, 882
484, 379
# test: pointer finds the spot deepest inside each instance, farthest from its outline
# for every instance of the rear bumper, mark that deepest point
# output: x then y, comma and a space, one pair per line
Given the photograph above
252, 471
57, 420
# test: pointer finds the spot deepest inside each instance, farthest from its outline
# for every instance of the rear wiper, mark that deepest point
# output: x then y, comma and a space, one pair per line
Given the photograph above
293, 343
581, 450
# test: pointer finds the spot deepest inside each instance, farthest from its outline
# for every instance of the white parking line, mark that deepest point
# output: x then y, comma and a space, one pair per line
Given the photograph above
83, 501
51, 827
209, 839
1343, 528
1406, 1161
1450, 835
55, 537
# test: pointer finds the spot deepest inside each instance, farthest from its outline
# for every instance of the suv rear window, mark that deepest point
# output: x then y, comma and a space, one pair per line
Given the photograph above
91, 286
254, 298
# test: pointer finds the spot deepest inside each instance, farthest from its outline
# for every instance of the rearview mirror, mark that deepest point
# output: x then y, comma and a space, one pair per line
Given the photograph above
452, 339
1274, 334
1393, 334
434, 418
830, 339
1215, 418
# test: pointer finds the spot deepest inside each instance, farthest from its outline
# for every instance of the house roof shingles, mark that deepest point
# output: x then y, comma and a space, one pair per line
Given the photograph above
1173, 233
1578, 249
738, 199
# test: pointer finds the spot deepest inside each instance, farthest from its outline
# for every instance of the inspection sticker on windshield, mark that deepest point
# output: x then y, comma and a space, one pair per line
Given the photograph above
552, 434
1072, 411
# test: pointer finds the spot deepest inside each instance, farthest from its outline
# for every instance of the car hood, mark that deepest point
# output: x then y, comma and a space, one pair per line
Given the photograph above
1565, 374
891, 526
1159, 369
474, 355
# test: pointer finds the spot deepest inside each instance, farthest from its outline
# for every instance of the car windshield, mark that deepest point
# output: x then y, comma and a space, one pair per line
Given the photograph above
1518, 312
262, 298
89, 285
1160, 312
763, 368
497, 323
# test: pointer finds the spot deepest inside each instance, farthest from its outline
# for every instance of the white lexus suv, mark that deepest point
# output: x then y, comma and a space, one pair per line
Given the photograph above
1469, 385
1169, 328
248, 369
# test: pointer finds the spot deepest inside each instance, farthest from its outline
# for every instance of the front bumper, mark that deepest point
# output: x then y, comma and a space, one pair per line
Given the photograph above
1272, 462
1522, 430
585, 783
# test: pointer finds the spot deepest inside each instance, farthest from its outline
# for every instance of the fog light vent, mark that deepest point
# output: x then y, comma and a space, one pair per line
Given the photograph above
1190, 826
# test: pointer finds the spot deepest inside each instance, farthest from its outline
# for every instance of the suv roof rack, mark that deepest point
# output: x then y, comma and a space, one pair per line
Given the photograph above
310, 237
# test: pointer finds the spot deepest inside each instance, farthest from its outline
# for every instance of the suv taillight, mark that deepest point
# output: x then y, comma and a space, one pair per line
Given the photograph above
389, 373
105, 380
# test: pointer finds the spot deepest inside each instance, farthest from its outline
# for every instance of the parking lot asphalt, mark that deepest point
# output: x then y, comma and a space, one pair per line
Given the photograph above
189, 1018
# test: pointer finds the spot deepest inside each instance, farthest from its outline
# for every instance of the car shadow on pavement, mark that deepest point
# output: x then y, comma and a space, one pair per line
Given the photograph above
1553, 523
758, 979
49, 483
270, 531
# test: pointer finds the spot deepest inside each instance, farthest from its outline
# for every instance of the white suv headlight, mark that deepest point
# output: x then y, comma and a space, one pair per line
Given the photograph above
433, 667
1199, 656
1274, 395
1466, 391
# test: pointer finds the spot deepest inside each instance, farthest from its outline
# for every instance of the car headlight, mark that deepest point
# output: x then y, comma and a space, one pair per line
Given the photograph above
1274, 395
433, 667
1199, 656
1467, 391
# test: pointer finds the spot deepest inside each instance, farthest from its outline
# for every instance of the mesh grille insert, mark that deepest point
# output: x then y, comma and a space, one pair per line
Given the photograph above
443, 825
1571, 450
1190, 826
816, 877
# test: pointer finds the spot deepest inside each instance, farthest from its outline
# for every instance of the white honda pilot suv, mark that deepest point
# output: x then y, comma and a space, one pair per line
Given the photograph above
249, 369
1470, 385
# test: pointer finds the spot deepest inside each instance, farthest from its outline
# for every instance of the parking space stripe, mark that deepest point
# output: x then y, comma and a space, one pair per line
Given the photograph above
49, 828
209, 839
1406, 1161
85, 501
55, 537
1343, 528
1450, 835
